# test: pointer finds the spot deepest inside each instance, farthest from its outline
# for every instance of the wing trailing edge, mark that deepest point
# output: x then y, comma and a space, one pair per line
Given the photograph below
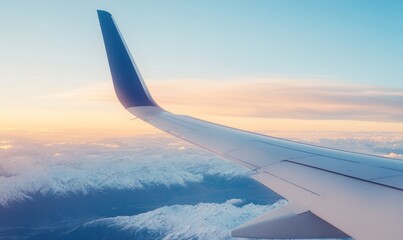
282, 223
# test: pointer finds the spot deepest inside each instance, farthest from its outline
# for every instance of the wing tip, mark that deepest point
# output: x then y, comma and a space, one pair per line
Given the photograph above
103, 12
129, 86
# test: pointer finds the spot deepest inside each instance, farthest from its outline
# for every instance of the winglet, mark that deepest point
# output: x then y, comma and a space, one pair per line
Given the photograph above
129, 85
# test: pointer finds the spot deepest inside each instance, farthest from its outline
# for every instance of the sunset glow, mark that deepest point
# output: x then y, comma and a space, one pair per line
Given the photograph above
256, 105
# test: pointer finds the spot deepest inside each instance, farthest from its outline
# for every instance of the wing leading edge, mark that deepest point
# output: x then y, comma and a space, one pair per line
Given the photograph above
332, 193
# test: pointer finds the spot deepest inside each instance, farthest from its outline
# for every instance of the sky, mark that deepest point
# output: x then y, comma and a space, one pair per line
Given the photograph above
259, 65
327, 73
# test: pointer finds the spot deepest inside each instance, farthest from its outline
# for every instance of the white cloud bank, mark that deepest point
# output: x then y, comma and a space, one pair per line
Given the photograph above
386, 144
201, 221
60, 169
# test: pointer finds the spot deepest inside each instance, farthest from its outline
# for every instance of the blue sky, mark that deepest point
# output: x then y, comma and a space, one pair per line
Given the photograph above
49, 47
354, 41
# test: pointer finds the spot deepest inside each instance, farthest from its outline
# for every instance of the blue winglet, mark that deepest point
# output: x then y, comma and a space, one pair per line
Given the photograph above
129, 86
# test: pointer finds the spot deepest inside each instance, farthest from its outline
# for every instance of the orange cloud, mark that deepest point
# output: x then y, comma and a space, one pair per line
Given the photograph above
284, 99
271, 98
264, 105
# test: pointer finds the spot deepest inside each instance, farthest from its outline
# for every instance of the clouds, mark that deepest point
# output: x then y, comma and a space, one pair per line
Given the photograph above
56, 187
386, 144
269, 98
149, 187
252, 104
200, 221
60, 169
296, 99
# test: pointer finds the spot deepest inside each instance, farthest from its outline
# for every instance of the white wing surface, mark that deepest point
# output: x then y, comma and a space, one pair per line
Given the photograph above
331, 193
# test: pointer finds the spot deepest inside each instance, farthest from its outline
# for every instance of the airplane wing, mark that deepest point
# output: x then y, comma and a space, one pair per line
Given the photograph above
331, 193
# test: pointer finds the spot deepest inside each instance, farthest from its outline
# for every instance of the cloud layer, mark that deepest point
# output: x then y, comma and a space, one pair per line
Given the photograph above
201, 221
60, 169
386, 144
65, 173
298, 99
269, 98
